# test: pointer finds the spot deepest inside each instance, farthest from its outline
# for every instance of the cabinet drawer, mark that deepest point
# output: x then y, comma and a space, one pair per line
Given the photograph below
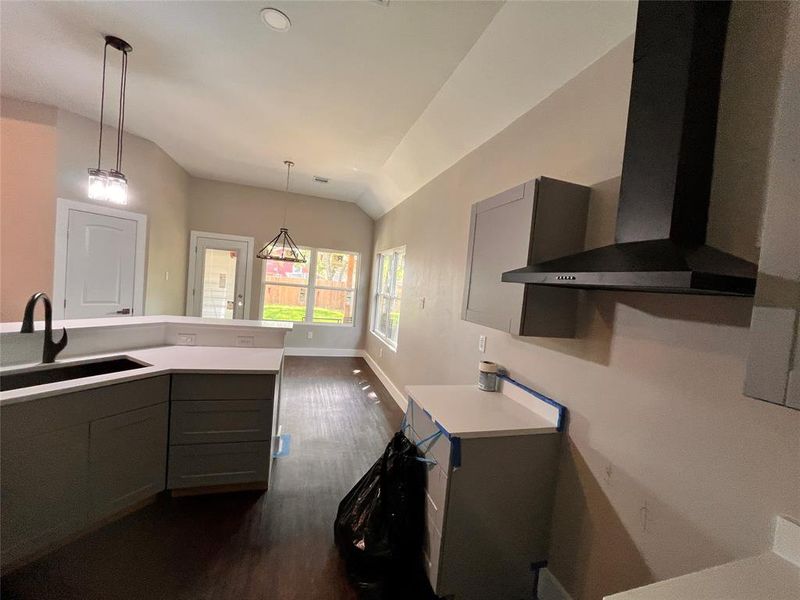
217, 464
423, 427
211, 421
222, 387
436, 496
432, 554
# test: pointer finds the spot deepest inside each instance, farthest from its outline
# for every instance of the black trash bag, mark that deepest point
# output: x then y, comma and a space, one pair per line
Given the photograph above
380, 525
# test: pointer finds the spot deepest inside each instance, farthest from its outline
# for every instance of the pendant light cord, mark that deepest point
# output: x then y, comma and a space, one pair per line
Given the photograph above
289, 164
121, 120
102, 105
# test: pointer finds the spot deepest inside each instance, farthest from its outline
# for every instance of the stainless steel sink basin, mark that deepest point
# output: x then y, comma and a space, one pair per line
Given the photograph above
52, 373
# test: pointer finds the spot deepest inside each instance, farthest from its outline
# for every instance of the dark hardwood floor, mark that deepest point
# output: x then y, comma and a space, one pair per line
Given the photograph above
242, 546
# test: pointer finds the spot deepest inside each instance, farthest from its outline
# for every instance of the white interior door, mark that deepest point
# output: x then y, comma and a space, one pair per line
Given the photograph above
100, 270
220, 276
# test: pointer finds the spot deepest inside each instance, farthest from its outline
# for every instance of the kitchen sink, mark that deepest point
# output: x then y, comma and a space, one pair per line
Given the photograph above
14, 380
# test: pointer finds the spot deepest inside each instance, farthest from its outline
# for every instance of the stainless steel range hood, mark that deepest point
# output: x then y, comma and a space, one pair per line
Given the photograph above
667, 167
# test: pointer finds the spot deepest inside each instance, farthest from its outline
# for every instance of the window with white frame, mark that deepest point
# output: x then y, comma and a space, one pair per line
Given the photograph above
388, 291
321, 290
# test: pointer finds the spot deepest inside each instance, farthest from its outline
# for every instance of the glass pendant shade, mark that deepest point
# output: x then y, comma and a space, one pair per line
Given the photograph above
283, 248
111, 186
117, 188
98, 183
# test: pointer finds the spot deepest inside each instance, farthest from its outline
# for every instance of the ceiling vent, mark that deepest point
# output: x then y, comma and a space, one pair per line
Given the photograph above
319, 179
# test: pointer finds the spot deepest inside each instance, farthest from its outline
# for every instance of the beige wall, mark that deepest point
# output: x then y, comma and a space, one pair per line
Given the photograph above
45, 154
157, 187
667, 467
315, 222
27, 192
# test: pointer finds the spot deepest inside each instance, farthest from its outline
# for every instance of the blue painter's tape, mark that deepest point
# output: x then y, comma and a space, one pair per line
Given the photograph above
562, 410
284, 445
455, 452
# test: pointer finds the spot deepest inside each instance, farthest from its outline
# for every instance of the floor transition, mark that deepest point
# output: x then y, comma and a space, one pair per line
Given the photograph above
275, 546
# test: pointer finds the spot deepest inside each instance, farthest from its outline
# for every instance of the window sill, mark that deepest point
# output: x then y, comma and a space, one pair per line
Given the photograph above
384, 341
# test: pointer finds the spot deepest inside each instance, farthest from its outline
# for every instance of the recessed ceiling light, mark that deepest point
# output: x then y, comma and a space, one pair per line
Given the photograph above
275, 19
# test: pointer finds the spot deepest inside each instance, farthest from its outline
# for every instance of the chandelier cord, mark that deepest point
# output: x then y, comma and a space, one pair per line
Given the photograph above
121, 119
102, 106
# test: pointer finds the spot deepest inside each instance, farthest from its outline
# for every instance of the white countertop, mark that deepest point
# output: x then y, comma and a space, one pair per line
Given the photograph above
773, 575
149, 320
162, 360
766, 576
466, 411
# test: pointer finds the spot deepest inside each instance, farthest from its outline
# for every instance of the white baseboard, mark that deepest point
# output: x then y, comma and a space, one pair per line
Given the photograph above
300, 351
398, 396
550, 588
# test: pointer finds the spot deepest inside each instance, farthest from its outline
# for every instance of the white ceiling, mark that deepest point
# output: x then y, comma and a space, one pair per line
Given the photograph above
380, 99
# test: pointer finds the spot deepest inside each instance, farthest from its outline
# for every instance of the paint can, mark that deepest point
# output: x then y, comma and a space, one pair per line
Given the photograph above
487, 376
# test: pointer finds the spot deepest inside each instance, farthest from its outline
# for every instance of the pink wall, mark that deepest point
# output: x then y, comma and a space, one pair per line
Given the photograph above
27, 193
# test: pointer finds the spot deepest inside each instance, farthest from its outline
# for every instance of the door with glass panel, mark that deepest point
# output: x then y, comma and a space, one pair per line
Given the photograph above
221, 268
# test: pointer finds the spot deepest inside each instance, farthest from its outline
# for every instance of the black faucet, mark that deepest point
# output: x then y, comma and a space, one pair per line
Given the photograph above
51, 348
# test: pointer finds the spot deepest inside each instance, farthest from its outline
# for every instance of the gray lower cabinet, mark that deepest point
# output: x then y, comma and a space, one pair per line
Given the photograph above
70, 460
221, 430
44, 489
489, 502
127, 459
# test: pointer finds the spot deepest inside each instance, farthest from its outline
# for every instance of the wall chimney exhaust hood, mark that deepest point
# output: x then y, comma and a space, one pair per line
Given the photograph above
667, 167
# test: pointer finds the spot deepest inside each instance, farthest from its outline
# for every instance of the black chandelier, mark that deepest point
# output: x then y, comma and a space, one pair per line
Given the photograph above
282, 246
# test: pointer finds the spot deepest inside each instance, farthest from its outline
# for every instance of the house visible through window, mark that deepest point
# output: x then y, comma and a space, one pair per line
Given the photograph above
321, 290
389, 289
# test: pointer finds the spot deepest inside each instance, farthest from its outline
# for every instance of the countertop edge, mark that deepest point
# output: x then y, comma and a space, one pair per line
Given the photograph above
11, 397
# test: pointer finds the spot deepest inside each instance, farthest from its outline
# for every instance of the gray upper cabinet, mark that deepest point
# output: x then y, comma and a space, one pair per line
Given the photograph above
537, 221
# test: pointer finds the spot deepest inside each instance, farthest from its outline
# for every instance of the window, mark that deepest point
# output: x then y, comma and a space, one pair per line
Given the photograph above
321, 290
389, 289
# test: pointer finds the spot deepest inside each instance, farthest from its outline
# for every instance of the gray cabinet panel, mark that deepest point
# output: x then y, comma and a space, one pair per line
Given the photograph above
26, 419
533, 222
222, 387
127, 459
211, 421
504, 492
200, 465
44, 489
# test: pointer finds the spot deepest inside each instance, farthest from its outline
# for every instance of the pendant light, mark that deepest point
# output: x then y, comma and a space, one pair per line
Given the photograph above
282, 246
111, 185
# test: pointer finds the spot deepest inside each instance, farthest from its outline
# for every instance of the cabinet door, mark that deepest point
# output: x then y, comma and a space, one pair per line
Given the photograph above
127, 458
43, 489
499, 240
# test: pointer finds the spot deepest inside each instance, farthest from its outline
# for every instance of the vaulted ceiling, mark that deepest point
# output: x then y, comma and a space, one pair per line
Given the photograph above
377, 98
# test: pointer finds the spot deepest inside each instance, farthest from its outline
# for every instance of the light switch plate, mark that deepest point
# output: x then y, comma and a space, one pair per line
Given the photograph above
309, 335
422, 302
186, 339
482, 343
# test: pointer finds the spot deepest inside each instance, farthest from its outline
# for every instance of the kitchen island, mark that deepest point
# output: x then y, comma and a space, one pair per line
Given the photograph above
79, 452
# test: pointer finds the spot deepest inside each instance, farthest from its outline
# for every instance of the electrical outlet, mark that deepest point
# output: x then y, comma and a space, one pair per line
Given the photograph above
166, 275
309, 335
186, 339
245, 341
380, 352
482, 343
